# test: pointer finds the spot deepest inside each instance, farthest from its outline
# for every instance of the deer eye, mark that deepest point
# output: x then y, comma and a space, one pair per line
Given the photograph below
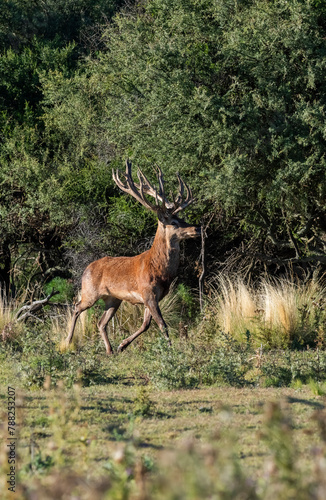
174, 223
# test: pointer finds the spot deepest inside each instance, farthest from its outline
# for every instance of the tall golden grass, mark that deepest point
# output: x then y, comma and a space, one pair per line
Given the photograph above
9, 327
277, 312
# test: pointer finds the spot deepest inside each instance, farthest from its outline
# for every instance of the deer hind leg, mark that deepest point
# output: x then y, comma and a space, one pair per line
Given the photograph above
111, 307
142, 329
80, 307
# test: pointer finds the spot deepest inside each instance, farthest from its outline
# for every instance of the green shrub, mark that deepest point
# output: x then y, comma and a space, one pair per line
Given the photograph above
170, 367
189, 306
143, 405
63, 286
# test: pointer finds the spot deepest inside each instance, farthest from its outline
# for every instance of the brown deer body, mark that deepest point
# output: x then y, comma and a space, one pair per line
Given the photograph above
145, 278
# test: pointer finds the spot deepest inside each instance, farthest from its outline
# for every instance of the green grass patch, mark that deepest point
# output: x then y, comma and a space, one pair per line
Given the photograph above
124, 441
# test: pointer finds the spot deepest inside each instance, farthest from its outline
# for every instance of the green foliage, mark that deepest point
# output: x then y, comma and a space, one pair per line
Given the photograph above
278, 434
40, 464
228, 94
281, 368
45, 185
172, 369
219, 361
226, 362
143, 404
317, 388
38, 359
227, 365
188, 304
58, 20
20, 83
191, 469
63, 286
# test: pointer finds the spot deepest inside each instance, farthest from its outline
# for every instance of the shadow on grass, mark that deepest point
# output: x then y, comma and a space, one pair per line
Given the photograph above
313, 404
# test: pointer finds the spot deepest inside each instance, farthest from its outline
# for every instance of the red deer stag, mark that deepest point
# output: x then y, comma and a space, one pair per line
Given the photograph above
145, 278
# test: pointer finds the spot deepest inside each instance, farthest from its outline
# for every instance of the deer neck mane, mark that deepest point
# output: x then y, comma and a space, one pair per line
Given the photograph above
165, 252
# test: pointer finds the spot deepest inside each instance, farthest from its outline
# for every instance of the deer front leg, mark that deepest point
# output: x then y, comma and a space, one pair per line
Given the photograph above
155, 311
111, 306
81, 306
77, 312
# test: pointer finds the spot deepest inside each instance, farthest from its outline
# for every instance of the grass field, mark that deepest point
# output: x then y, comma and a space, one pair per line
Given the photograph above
124, 441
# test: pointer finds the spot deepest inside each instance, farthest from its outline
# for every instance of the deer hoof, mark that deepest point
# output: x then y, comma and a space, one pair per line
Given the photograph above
121, 348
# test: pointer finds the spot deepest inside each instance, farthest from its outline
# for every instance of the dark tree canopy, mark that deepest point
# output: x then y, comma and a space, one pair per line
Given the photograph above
230, 94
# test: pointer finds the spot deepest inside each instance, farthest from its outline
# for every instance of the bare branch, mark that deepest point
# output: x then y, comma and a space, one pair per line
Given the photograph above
28, 311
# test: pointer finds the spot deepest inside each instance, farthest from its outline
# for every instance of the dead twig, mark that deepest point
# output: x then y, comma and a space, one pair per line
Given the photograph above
29, 310
203, 264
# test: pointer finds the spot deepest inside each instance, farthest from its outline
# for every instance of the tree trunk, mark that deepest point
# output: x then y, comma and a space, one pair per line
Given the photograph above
5, 267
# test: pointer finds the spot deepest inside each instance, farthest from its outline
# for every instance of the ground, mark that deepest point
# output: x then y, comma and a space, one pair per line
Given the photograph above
84, 430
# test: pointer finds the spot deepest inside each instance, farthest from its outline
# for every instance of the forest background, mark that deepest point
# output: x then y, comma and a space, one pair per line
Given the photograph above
230, 94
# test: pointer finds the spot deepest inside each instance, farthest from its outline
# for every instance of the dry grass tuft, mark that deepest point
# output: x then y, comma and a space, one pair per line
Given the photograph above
9, 328
235, 305
279, 312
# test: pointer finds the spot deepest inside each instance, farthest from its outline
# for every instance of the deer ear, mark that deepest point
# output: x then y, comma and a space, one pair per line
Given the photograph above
164, 218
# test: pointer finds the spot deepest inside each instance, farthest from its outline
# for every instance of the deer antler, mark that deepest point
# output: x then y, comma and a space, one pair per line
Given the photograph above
151, 191
179, 202
138, 191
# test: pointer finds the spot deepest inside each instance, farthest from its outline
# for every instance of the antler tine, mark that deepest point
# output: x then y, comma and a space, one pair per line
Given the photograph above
147, 186
179, 202
131, 188
160, 179
117, 180
179, 196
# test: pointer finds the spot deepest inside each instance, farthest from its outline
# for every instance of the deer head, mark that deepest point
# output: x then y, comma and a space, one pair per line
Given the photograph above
165, 210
